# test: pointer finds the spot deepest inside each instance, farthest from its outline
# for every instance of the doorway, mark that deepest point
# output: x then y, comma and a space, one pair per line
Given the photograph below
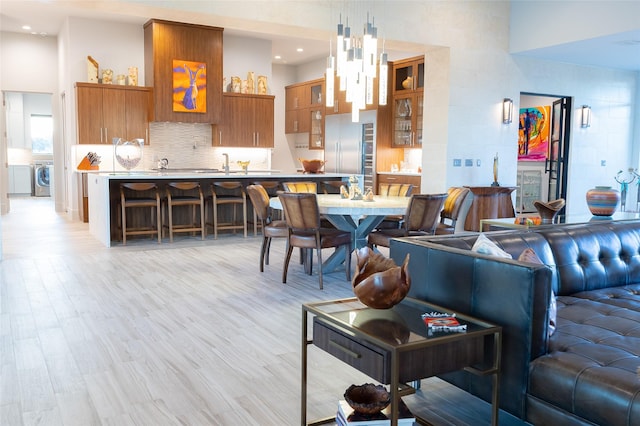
543, 149
28, 145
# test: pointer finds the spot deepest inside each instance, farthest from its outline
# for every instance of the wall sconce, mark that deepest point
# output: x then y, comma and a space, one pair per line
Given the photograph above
585, 121
507, 111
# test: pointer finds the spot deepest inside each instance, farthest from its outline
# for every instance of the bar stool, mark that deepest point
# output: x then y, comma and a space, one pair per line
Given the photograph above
135, 196
272, 188
185, 194
229, 193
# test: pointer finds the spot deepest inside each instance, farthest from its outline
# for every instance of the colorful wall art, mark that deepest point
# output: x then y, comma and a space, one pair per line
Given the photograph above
189, 86
533, 134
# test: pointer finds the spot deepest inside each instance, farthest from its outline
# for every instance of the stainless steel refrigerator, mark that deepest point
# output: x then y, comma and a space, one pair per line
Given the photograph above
349, 146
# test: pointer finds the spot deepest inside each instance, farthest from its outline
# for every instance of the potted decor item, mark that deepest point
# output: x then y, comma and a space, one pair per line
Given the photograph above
548, 210
311, 166
367, 399
378, 282
603, 200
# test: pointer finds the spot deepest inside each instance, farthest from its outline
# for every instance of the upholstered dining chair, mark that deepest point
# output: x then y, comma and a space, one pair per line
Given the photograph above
270, 228
272, 187
302, 215
421, 218
311, 187
136, 195
451, 210
397, 190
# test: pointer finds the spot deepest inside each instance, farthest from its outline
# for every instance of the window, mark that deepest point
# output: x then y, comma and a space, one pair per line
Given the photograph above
41, 134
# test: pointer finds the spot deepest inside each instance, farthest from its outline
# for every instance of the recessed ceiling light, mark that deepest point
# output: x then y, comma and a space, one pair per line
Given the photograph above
299, 49
278, 57
26, 27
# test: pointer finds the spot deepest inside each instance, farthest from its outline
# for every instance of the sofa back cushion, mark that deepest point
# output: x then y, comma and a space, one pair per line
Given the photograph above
594, 257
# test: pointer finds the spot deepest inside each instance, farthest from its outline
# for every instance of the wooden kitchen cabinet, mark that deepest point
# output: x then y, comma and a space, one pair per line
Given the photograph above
340, 104
401, 178
407, 120
107, 111
408, 101
300, 99
316, 133
408, 75
247, 121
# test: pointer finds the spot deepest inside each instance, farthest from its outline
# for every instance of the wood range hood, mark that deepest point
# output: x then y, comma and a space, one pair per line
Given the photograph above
166, 41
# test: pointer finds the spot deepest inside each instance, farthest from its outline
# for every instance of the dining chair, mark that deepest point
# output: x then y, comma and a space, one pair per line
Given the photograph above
271, 187
270, 228
332, 186
451, 210
421, 218
228, 193
136, 195
302, 215
311, 187
185, 194
397, 190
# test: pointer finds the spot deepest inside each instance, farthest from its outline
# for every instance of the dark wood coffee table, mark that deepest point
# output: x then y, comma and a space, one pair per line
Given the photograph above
395, 347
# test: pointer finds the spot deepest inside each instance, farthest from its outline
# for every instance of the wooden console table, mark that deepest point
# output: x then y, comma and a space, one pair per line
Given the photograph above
395, 347
489, 202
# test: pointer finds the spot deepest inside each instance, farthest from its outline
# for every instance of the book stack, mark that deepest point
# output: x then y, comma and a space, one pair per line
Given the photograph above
347, 417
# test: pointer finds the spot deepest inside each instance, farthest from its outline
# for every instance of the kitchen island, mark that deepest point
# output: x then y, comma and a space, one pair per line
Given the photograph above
103, 190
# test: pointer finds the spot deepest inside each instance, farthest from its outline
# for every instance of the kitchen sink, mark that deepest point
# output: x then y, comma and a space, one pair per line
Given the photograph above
188, 170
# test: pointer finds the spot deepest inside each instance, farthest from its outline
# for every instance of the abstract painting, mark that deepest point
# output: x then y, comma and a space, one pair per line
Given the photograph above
189, 86
533, 134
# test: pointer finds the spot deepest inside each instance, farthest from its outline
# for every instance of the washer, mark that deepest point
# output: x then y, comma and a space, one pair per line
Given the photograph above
42, 179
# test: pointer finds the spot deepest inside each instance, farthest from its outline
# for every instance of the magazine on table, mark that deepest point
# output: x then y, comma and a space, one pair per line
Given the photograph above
441, 321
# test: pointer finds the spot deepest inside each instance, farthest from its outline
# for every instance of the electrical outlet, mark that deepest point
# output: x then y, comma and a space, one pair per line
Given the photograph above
457, 162
477, 163
468, 162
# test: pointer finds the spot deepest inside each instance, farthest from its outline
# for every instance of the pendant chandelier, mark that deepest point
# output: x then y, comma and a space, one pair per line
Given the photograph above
356, 66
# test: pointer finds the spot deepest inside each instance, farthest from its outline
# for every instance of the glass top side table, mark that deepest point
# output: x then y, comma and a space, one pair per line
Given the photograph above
394, 346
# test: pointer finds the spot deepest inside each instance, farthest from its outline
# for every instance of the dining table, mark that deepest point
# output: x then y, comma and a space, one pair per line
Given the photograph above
359, 217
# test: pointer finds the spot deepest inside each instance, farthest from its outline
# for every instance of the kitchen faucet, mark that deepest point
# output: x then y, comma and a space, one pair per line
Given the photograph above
226, 163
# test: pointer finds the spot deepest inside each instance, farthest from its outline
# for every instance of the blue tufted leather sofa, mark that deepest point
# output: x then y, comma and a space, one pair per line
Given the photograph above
585, 372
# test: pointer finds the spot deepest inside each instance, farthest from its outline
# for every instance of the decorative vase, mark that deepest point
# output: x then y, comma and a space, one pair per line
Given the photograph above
603, 200
548, 211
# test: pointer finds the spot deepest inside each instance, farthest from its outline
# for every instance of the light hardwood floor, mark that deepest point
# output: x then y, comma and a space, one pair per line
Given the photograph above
159, 334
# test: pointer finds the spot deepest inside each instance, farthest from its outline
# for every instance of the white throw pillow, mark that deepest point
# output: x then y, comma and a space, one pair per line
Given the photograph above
485, 246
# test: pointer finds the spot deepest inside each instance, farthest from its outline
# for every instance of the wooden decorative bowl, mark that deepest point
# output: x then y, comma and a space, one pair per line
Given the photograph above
368, 398
378, 282
311, 166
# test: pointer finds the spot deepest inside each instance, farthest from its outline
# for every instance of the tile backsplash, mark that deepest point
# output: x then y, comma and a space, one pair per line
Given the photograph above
185, 145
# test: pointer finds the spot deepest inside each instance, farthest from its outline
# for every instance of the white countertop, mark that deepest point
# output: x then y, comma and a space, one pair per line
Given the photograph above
401, 173
168, 174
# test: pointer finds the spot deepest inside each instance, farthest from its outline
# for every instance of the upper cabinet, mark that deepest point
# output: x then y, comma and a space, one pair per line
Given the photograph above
106, 111
247, 121
169, 47
408, 101
408, 75
299, 100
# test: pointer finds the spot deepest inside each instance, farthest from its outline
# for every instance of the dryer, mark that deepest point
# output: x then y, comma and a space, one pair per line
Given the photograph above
42, 179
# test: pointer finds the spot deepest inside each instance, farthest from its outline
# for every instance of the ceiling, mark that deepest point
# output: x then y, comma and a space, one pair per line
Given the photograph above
621, 51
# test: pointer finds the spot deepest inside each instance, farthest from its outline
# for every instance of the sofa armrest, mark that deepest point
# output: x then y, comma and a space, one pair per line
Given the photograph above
506, 292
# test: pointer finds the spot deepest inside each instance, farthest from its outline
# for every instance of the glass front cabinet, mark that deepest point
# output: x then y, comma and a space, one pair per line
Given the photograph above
407, 120
408, 100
